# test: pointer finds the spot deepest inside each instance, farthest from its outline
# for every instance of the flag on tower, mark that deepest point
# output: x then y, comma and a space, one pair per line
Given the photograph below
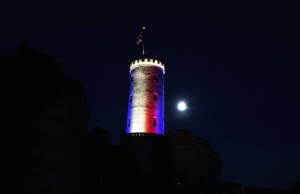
139, 38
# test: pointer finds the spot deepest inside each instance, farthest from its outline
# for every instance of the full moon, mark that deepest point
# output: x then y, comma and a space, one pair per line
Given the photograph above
181, 106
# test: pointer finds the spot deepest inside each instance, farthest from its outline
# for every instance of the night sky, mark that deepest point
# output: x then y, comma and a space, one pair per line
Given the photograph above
236, 65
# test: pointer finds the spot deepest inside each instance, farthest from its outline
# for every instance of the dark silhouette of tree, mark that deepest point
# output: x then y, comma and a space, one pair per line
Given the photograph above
47, 122
98, 159
256, 190
296, 187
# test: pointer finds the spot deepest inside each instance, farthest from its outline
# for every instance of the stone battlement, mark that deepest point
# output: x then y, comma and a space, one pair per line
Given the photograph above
146, 62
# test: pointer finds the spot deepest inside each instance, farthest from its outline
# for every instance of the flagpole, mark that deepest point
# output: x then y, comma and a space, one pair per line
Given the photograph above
140, 39
143, 48
143, 52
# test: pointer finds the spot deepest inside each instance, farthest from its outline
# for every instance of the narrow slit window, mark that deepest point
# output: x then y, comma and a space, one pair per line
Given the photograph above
154, 122
131, 79
155, 97
128, 122
155, 78
130, 100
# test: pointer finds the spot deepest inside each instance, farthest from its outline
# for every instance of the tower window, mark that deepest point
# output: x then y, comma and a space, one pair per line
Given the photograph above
128, 122
155, 97
155, 78
130, 100
131, 79
154, 122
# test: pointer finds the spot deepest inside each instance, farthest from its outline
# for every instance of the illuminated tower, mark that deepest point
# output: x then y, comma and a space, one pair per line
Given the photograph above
146, 97
149, 150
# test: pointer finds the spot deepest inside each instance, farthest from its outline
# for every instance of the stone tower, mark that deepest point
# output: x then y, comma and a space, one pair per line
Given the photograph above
146, 98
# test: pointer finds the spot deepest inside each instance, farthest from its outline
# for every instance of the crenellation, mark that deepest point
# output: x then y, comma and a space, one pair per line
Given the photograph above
146, 62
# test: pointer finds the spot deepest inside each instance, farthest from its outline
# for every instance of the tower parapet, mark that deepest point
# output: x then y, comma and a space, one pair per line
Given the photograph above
147, 62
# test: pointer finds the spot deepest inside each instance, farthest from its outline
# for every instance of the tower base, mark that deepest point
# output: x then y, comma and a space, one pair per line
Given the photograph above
152, 156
